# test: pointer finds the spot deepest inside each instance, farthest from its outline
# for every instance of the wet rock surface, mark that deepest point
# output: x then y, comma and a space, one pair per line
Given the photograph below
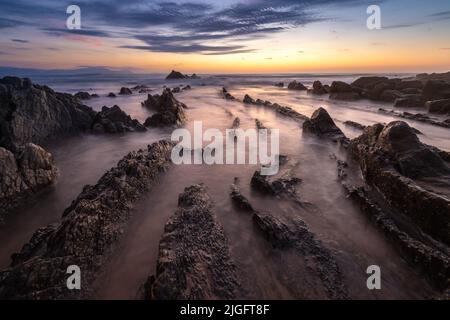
355, 125
170, 111
283, 184
411, 176
194, 261
83, 95
316, 268
322, 125
34, 113
417, 117
319, 89
427, 256
125, 91
115, 120
291, 233
24, 174
227, 95
173, 75
88, 232
284, 110
294, 85
439, 106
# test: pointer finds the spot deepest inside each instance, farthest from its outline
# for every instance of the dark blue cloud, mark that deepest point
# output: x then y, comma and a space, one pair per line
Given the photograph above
84, 32
196, 26
20, 40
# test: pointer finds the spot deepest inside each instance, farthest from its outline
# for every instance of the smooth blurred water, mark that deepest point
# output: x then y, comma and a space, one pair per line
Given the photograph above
336, 222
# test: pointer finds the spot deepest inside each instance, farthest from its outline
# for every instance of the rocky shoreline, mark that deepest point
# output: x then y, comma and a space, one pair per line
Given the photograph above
193, 245
90, 229
31, 115
398, 182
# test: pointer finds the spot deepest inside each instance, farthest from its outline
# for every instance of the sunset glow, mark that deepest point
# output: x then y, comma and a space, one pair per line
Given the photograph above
296, 36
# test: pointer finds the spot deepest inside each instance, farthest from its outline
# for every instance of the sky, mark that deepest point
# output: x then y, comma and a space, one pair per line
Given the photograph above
228, 36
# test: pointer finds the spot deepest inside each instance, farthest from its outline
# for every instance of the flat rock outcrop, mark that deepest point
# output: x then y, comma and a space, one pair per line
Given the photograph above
322, 125
284, 110
88, 232
170, 111
194, 261
24, 174
34, 113
411, 176
115, 120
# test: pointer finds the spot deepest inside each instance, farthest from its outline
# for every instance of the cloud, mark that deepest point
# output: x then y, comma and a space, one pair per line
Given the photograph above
191, 48
171, 26
8, 23
20, 40
81, 32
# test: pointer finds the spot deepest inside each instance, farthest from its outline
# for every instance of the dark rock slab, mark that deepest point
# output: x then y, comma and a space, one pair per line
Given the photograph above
438, 106
175, 75
410, 175
125, 91
294, 85
33, 113
194, 261
291, 233
170, 111
115, 120
431, 260
83, 95
284, 110
318, 88
322, 125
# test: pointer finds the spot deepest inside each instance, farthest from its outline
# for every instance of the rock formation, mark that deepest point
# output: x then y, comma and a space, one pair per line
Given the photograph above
194, 261
227, 95
291, 233
87, 234
284, 110
294, 85
322, 125
33, 113
411, 176
125, 91
439, 106
178, 75
318, 88
114, 120
24, 174
170, 112
83, 95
